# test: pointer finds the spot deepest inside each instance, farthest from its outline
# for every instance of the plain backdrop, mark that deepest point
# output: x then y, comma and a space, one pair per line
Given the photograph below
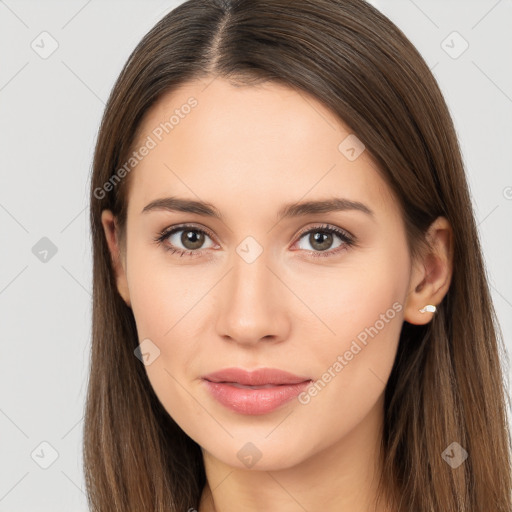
50, 110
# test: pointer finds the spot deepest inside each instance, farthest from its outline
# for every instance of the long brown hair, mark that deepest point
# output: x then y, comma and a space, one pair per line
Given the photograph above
447, 384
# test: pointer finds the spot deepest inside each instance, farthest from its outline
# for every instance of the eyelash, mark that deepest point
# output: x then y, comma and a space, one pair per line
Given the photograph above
348, 240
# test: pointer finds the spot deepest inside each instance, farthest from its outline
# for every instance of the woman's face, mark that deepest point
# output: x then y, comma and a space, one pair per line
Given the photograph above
256, 289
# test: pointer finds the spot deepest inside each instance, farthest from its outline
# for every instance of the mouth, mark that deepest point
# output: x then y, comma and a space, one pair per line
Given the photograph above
255, 393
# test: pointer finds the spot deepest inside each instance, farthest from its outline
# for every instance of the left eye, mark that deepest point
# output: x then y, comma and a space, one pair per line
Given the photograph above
191, 238
321, 239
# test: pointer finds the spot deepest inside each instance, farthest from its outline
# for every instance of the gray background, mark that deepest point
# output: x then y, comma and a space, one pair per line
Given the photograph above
50, 113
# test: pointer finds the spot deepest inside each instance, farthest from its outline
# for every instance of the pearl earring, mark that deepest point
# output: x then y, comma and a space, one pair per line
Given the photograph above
429, 307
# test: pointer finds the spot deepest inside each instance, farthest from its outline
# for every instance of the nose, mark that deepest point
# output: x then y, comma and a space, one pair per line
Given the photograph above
252, 304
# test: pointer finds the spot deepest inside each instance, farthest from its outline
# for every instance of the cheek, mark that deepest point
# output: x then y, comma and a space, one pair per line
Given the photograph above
367, 317
167, 311
365, 325
162, 294
161, 316
365, 292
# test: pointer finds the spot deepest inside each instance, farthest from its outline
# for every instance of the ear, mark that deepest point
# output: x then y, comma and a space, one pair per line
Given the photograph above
108, 221
431, 275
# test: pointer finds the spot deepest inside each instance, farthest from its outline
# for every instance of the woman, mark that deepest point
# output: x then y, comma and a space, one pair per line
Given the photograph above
290, 305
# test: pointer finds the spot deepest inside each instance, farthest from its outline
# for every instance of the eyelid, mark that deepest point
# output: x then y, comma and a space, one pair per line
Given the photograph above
327, 227
166, 232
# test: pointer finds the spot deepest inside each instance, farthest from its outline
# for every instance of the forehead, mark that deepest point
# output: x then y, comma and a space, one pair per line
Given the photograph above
209, 138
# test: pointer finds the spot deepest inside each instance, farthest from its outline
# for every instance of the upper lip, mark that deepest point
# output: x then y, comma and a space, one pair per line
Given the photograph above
258, 377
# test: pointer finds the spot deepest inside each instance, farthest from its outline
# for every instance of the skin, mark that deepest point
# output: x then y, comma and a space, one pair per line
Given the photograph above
248, 150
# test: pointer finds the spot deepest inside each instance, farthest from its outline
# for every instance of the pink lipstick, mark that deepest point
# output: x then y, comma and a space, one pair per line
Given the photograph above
258, 392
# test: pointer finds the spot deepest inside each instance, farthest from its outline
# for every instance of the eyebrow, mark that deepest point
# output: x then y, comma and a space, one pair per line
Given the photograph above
334, 204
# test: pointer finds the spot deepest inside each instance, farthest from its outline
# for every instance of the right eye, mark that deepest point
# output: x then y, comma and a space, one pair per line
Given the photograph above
189, 237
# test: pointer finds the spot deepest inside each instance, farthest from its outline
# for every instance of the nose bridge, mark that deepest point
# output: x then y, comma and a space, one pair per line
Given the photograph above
250, 307
250, 280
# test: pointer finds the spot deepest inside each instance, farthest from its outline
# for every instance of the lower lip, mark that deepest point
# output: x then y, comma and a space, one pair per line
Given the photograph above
254, 401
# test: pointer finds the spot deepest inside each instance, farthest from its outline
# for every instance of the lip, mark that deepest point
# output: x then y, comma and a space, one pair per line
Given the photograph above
280, 387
